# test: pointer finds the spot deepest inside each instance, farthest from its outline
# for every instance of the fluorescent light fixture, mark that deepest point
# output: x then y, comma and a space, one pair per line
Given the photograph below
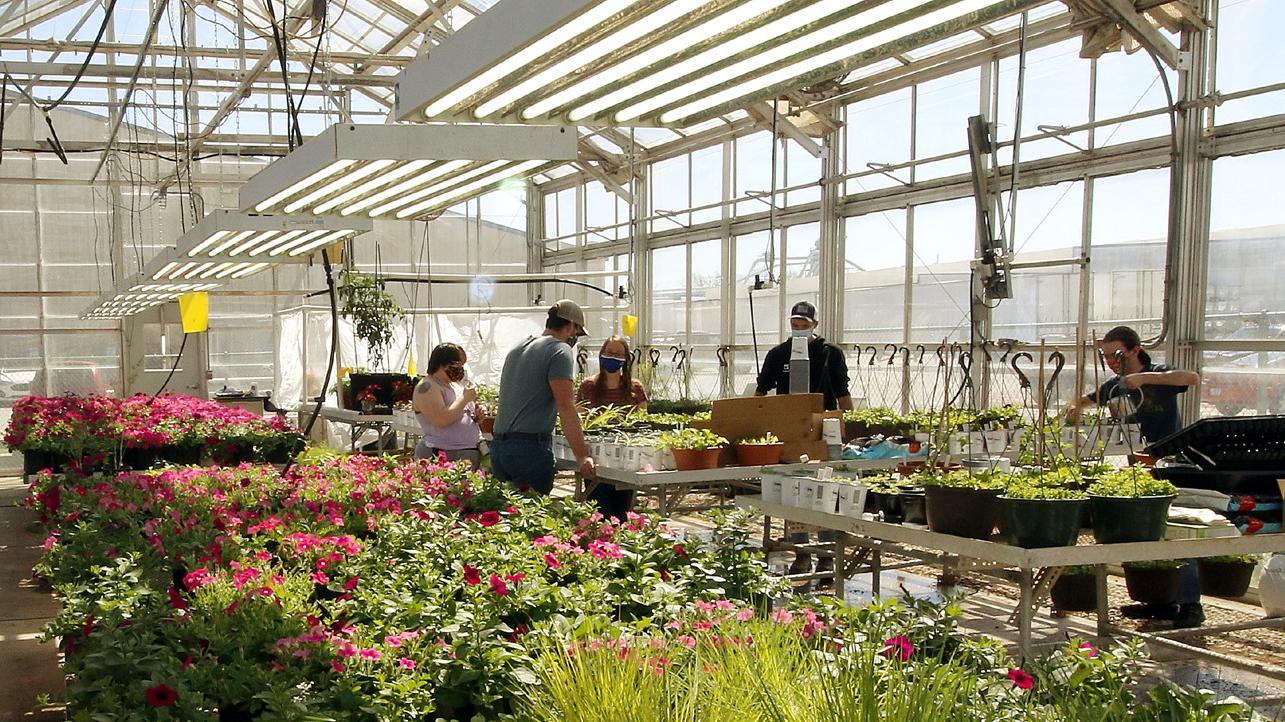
663, 62
385, 168
249, 236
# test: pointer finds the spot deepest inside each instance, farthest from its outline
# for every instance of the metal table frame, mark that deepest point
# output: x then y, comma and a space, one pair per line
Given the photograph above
669, 487
381, 424
1032, 570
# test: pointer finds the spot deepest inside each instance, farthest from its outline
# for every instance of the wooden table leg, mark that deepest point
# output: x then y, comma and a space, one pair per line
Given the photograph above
876, 571
1024, 613
1104, 607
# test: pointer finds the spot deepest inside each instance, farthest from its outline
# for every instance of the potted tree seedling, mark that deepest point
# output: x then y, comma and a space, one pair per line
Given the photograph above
759, 450
1130, 505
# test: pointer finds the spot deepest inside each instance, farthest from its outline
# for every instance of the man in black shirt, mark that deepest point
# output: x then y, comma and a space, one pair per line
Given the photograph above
1146, 393
828, 375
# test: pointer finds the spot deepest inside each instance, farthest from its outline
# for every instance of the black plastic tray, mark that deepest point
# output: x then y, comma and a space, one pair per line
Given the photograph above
1231, 482
1239, 443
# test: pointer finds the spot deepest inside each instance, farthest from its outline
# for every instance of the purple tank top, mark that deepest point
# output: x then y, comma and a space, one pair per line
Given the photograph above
462, 434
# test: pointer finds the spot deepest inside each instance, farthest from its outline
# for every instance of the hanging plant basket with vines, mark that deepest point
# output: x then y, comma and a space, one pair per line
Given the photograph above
372, 310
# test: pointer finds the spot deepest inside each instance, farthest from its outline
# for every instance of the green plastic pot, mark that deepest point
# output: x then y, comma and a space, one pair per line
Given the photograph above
1152, 585
1122, 519
1040, 523
1075, 593
968, 513
1225, 579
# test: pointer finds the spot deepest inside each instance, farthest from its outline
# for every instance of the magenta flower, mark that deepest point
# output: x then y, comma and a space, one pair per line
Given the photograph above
499, 587
406, 663
471, 576
1021, 679
898, 647
369, 653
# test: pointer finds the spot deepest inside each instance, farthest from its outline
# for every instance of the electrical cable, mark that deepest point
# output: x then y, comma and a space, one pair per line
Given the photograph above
177, 357
89, 57
754, 335
334, 346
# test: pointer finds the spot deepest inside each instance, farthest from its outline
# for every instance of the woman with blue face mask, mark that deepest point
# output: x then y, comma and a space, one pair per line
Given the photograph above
613, 385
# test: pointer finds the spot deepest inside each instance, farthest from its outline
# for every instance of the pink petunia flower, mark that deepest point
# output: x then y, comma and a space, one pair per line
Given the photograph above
898, 647
1021, 679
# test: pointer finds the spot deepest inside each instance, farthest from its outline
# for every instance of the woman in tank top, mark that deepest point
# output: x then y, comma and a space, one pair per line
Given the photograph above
444, 406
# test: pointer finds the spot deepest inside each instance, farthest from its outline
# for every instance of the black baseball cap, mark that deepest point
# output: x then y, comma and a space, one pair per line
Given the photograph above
804, 310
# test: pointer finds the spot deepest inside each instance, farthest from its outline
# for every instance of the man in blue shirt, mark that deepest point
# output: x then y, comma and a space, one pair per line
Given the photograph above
1146, 393
535, 386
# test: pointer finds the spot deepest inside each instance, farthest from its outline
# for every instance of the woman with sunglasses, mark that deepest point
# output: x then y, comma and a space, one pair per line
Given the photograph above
613, 385
444, 406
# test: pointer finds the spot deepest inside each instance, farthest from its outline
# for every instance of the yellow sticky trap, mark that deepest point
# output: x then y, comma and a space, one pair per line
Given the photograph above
629, 325
194, 309
410, 365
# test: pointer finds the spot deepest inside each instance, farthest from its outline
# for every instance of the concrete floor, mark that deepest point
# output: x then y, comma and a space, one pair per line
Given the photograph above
28, 668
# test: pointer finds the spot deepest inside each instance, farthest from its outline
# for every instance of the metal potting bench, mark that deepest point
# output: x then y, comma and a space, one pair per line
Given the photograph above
1032, 570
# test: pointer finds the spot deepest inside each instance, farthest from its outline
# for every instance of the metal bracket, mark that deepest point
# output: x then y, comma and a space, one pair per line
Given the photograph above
1184, 60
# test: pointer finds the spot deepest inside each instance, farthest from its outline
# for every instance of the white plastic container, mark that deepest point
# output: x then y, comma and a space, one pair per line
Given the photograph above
1271, 586
790, 490
851, 499
772, 484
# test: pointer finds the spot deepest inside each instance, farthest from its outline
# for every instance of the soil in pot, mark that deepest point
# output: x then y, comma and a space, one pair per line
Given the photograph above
968, 513
1041, 523
693, 459
914, 506
1225, 579
1122, 519
1151, 585
1075, 593
759, 454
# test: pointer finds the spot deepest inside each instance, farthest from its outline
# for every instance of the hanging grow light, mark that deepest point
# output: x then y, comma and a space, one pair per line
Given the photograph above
403, 172
663, 62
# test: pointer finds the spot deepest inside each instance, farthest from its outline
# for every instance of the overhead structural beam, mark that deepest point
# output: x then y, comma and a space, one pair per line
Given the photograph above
763, 114
123, 108
234, 98
52, 45
606, 180
37, 14
1143, 31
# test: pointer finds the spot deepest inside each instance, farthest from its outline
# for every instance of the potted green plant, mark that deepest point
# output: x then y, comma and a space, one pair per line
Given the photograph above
693, 448
372, 310
1152, 582
1076, 589
884, 498
869, 422
1037, 515
962, 503
759, 450
1130, 505
1227, 576
486, 406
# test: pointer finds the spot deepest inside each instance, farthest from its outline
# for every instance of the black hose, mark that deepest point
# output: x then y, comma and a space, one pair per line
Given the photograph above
330, 364
173, 368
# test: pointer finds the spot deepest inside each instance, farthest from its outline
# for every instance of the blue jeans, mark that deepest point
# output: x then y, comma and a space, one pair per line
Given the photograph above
524, 463
1189, 583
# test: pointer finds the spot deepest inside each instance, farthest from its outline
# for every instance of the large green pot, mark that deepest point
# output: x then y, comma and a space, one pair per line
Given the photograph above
1152, 585
1075, 593
968, 513
1040, 523
1121, 519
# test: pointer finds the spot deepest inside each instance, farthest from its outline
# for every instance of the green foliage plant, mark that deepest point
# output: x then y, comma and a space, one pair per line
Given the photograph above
372, 310
768, 439
690, 439
1134, 481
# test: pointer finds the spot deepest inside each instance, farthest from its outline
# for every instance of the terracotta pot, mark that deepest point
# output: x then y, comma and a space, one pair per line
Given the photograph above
759, 454
486, 424
693, 459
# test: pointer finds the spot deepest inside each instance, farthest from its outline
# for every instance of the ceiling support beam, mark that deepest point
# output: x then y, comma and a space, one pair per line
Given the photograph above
763, 114
52, 45
235, 97
1142, 30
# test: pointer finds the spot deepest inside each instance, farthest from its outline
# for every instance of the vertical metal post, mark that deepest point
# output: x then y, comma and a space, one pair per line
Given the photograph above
641, 262
830, 286
980, 323
1191, 191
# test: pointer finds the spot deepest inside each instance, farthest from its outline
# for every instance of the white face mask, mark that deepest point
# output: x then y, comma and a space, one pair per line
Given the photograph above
800, 332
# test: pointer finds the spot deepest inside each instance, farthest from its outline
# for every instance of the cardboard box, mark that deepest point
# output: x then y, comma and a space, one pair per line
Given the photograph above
795, 419
1175, 530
